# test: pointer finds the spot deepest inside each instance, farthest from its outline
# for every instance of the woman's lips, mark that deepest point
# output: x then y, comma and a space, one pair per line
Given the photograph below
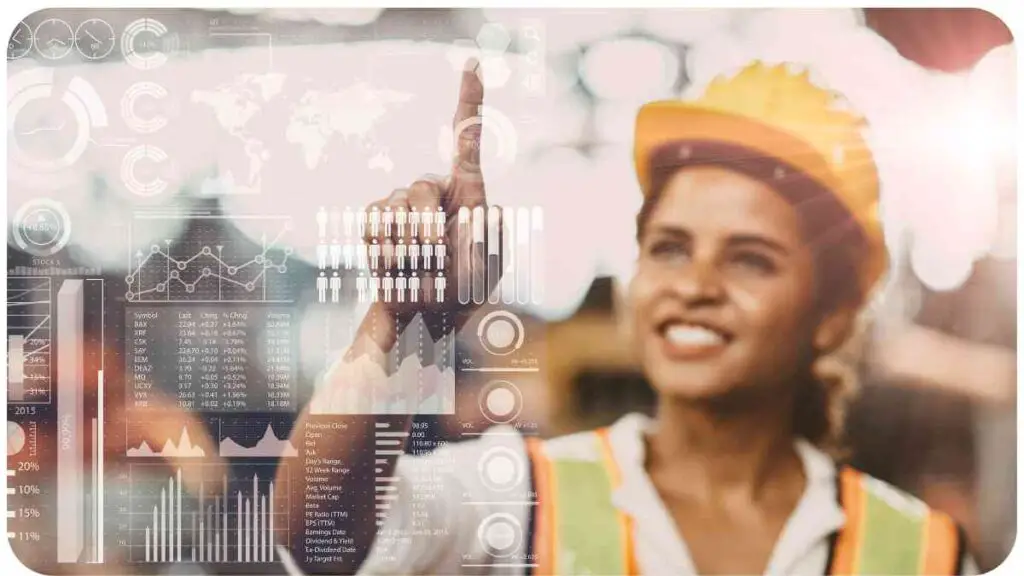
684, 341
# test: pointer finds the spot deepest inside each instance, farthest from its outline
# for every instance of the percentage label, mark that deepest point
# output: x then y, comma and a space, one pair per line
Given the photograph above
29, 489
28, 512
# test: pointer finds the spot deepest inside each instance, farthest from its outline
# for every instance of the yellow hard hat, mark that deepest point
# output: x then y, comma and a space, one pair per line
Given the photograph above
780, 114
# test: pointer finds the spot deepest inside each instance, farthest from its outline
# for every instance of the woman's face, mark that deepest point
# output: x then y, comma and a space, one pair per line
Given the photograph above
722, 301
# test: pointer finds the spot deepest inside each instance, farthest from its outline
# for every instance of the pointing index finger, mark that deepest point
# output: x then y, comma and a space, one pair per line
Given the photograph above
468, 122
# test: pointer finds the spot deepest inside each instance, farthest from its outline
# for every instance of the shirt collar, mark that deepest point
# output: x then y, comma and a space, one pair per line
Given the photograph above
817, 515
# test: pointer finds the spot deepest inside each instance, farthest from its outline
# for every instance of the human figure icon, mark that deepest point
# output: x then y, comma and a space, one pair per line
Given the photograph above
348, 250
361, 287
361, 224
401, 216
414, 221
440, 283
321, 287
414, 288
374, 221
401, 251
335, 288
335, 255
389, 220
374, 255
401, 283
389, 254
321, 223
347, 219
427, 250
439, 219
335, 223
440, 250
321, 256
348, 287
427, 219
374, 288
389, 285
414, 254
361, 255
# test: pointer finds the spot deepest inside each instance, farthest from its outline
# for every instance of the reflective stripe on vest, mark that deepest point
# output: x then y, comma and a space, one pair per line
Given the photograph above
888, 532
578, 530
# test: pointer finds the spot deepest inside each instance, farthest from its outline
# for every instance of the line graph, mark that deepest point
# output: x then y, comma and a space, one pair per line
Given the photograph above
212, 262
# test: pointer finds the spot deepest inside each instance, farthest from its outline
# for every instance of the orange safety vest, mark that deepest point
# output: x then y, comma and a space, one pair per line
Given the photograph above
576, 529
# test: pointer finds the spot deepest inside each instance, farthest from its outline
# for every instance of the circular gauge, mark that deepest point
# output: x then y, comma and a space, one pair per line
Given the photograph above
143, 122
143, 44
41, 227
21, 42
15, 438
54, 38
501, 469
501, 333
158, 173
500, 534
500, 402
95, 39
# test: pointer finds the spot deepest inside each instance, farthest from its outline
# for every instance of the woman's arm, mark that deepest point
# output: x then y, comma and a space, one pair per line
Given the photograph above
915, 353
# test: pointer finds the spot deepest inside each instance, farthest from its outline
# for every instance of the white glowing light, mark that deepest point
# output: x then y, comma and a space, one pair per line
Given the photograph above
631, 69
687, 26
567, 29
941, 271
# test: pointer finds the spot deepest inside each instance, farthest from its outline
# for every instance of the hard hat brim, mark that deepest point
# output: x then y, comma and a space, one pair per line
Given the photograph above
661, 123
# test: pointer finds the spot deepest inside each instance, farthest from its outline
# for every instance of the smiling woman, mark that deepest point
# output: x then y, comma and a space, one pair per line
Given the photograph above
759, 245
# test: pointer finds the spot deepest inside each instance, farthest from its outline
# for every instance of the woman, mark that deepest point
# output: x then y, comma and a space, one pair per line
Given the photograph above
759, 245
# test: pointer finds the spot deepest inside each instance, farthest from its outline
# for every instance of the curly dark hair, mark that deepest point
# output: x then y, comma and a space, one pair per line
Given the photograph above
838, 248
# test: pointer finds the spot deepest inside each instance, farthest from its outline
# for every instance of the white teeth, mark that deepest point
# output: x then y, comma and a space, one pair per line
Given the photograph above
690, 335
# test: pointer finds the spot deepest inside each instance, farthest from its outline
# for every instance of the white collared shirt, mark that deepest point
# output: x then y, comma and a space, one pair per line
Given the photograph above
446, 495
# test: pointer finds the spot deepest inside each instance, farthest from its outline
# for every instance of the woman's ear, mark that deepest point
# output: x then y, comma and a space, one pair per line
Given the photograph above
835, 328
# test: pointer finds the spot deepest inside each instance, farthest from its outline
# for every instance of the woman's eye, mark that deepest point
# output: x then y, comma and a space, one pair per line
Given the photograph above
757, 262
666, 250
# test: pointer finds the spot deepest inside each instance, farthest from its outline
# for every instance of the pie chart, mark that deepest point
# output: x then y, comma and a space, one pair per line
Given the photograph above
15, 438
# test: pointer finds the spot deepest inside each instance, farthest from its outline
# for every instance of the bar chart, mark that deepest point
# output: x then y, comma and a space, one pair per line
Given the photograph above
507, 239
191, 515
29, 310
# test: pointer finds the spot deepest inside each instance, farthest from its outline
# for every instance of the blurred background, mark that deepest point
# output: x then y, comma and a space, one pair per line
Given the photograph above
281, 111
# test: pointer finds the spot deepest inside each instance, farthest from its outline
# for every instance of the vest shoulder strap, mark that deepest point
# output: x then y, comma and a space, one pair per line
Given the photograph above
577, 529
888, 531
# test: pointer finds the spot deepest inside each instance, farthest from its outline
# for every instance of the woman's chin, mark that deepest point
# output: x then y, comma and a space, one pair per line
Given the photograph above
689, 383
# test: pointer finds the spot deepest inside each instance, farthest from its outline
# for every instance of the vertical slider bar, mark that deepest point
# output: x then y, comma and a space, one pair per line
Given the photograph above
536, 255
479, 257
523, 256
493, 252
508, 280
462, 249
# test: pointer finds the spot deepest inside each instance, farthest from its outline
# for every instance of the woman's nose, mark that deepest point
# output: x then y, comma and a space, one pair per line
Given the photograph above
699, 282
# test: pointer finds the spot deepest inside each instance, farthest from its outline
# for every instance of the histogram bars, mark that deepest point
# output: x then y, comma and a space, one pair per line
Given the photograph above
216, 533
29, 313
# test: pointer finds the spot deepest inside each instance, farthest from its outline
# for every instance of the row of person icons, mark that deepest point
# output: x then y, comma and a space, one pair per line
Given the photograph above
394, 255
355, 223
374, 288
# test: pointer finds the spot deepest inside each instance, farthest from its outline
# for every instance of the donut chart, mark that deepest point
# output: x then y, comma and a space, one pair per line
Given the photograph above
500, 402
501, 333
